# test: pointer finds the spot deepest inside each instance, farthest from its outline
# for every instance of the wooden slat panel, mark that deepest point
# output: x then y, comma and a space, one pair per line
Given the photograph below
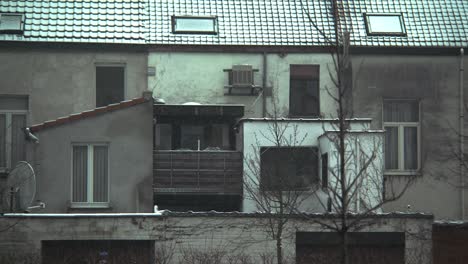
203, 171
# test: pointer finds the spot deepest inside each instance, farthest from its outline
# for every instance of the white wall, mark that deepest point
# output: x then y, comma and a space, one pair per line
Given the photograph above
363, 160
198, 76
257, 134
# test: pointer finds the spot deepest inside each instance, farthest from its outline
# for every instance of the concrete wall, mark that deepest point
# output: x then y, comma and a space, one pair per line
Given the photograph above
257, 134
228, 234
63, 81
128, 133
198, 77
434, 80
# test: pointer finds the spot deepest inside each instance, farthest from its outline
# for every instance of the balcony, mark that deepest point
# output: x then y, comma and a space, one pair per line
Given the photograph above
197, 172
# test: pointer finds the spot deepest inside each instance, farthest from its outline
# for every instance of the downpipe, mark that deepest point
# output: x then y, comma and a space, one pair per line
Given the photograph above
461, 135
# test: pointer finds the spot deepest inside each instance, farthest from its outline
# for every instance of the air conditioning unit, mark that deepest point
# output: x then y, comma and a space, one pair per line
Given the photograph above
242, 76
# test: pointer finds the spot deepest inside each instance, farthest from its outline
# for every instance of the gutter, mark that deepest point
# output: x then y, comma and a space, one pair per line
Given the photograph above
461, 135
30, 136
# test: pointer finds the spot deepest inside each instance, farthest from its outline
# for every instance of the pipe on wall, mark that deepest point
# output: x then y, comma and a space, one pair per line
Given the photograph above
264, 80
461, 136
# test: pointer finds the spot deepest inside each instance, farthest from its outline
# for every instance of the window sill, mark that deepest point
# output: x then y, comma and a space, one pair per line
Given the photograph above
402, 173
90, 206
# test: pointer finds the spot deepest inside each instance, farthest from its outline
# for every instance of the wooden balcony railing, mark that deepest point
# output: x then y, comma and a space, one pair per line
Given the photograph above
207, 172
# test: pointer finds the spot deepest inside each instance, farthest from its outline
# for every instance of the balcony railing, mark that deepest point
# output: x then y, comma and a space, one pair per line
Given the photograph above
207, 172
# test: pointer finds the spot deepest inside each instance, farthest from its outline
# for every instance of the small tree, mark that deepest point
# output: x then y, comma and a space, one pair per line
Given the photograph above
356, 184
278, 190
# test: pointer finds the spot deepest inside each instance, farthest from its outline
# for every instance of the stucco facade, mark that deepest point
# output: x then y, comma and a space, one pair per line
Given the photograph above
434, 81
198, 76
61, 80
126, 132
258, 133
180, 234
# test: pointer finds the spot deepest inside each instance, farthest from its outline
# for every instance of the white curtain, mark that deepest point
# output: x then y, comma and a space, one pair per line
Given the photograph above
18, 146
2, 140
80, 175
100, 178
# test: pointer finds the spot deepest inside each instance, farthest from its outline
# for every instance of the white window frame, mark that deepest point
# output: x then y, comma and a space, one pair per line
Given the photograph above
372, 32
9, 135
90, 174
179, 30
401, 141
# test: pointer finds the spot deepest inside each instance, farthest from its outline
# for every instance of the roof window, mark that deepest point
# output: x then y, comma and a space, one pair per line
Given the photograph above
11, 23
385, 24
194, 25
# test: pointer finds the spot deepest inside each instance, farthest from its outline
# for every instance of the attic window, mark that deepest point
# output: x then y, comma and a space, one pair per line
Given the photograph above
11, 23
385, 24
194, 25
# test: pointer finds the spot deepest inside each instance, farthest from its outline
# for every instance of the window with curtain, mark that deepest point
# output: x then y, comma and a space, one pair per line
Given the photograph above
401, 123
13, 113
90, 179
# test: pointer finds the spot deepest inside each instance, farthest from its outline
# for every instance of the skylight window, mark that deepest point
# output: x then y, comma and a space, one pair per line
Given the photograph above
385, 24
11, 23
194, 25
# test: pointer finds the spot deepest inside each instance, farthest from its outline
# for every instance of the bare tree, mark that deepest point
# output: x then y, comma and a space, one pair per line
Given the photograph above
276, 189
356, 184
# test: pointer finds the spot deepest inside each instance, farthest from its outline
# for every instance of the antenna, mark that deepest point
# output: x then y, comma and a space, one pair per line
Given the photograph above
20, 189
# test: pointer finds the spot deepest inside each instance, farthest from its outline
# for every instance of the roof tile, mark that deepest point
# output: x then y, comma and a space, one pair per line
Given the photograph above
72, 13
86, 114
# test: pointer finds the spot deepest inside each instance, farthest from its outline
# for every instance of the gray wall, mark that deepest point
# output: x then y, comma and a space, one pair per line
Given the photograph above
231, 234
128, 133
62, 81
198, 77
434, 80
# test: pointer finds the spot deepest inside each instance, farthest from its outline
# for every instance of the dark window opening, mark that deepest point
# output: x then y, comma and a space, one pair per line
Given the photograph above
110, 85
288, 168
192, 137
97, 251
304, 93
363, 247
325, 171
200, 203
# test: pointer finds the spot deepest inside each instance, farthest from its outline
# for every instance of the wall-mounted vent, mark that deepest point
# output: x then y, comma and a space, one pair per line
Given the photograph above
242, 76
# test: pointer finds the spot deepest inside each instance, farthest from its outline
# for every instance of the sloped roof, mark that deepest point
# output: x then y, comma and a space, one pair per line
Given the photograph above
429, 23
86, 114
242, 22
78, 21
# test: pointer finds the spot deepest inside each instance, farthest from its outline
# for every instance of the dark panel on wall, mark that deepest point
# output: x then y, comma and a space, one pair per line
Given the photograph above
97, 251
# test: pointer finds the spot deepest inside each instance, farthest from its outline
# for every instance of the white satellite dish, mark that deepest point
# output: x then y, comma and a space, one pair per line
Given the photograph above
20, 189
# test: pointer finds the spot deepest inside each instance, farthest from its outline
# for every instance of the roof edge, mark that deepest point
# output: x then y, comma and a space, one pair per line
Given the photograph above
86, 114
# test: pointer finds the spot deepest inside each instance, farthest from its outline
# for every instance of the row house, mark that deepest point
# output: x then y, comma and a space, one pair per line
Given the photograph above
126, 108
223, 76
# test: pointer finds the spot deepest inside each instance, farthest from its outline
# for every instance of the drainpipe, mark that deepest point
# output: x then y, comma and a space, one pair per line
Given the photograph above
462, 141
264, 80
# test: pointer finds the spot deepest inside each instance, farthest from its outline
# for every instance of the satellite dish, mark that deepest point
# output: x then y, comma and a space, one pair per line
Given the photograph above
20, 188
